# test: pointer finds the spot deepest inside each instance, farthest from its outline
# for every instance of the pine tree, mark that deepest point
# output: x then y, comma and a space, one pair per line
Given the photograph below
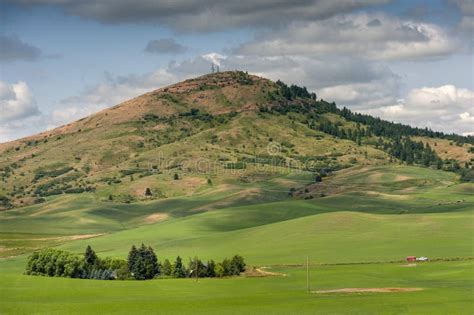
132, 258
90, 256
166, 268
178, 269
210, 269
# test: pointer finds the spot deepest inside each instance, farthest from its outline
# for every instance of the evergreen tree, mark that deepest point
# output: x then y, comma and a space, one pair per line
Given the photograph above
178, 269
132, 258
90, 257
210, 269
166, 268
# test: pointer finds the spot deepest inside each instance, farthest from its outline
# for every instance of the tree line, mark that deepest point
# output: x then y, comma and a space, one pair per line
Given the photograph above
141, 264
393, 138
375, 126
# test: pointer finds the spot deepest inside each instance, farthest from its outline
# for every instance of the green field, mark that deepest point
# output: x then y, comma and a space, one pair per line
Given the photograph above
355, 238
447, 289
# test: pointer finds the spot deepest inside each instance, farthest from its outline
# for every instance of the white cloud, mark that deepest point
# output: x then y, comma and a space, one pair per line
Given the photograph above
372, 36
68, 114
19, 128
16, 101
446, 108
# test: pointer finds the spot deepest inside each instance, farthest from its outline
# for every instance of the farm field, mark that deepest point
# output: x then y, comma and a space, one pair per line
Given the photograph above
447, 289
357, 238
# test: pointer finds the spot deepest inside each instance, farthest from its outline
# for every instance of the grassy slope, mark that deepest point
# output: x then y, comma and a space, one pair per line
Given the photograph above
353, 226
382, 190
328, 238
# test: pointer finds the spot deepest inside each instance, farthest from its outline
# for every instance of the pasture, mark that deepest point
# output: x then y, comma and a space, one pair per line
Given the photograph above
355, 238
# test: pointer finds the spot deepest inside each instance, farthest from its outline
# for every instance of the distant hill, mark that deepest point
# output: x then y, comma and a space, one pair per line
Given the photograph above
203, 132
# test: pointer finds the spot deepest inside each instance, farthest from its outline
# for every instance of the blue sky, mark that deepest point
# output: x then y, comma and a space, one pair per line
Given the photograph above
407, 61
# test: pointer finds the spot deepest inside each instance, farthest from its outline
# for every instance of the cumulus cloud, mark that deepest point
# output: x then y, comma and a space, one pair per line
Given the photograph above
204, 15
372, 36
12, 49
446, 108
16, 102
165, 46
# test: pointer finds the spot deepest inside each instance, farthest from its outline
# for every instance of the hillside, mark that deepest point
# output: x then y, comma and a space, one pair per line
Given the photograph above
211, 133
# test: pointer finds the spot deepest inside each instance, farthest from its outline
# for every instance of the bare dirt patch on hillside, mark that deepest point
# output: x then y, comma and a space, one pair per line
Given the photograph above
399, 178
261, 272
67, 237
368, 290
387, 196
156, 217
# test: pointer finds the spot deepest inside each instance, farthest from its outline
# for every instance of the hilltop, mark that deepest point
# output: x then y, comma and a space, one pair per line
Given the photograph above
210, 133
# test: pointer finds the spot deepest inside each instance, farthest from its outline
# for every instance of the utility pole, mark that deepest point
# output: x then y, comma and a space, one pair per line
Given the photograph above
307, 274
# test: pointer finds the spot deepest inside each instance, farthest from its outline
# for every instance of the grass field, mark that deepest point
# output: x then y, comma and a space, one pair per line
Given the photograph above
355, 238
447, 290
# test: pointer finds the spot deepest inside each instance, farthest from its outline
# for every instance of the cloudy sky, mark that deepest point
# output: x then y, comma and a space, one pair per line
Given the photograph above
406, 61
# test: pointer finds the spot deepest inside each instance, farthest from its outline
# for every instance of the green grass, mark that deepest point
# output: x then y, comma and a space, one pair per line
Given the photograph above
447, 290
390, 213
329, 237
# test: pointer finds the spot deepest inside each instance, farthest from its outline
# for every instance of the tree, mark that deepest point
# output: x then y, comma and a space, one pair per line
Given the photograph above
439, 164
166, 268
219, 270
237, 265
210, 269
178, 269
132, 258
143, 263
226, 265
148, 192
176, 176
197, 267
90, 256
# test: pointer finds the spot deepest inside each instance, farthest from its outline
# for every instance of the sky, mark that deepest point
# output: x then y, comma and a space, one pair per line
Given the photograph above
404, 61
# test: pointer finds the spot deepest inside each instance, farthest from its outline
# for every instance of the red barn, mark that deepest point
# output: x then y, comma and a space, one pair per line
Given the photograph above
411, 258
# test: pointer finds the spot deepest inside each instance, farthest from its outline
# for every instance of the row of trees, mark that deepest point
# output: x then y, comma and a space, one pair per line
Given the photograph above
294, 91
141, 264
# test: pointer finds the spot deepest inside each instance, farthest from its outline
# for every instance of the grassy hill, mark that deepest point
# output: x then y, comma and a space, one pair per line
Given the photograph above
179, 139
